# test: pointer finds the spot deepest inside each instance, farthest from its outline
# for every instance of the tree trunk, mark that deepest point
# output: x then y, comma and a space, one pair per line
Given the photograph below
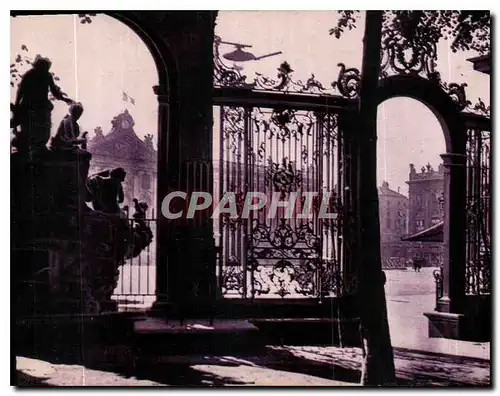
378, 360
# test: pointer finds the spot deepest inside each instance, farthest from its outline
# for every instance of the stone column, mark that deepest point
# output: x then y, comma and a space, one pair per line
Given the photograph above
166, 180
448, 319
192, 276
184, 245
454, 234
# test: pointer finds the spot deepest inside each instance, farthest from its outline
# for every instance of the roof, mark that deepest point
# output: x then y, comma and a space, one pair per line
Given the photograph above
385, 190
122, 142
482, 63
434, 233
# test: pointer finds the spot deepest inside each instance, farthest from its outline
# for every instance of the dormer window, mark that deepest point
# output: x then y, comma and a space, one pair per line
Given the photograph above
125, 124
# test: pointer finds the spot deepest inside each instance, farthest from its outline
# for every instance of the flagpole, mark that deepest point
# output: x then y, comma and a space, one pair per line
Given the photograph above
76, 63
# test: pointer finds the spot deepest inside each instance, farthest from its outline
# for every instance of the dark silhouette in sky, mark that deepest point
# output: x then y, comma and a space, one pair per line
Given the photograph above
32, 108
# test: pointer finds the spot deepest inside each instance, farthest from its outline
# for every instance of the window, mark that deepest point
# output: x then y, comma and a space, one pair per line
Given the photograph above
420, 225
435, 220
419, 199
146, 182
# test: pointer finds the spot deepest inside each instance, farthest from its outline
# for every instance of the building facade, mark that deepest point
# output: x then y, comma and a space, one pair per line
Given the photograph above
426, 210
121, 147
393, 213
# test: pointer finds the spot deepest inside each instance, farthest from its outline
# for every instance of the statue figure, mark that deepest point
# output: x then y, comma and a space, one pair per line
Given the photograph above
84, 140
422, 169
412, 169
68, 133
114, 122
98, 133
106, 190
140, 210
429, 168
32, 108
142, 234
148, 141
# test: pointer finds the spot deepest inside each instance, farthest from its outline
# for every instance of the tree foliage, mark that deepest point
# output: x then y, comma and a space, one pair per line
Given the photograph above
467, 30
86, 18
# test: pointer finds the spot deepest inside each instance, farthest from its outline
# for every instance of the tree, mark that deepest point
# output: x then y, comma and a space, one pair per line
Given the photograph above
378, 360
467, 30
86, 18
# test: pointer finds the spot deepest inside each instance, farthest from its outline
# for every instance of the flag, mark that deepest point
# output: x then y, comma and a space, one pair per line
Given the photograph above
127, 98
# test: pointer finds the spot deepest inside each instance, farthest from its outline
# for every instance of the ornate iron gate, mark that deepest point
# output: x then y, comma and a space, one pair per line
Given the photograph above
478, 211
284, 138
286, 153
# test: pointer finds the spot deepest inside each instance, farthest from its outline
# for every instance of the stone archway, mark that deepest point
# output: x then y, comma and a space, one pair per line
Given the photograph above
181, 45
446, 106
433, 97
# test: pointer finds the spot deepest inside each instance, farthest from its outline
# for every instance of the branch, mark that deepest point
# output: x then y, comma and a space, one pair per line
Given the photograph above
347, 21
468, 30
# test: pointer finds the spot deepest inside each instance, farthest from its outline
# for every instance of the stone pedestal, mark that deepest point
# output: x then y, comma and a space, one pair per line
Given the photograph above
65, 255
473, 324
457, 315
445, 325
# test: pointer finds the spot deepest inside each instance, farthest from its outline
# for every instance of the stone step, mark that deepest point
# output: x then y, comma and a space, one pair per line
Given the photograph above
160, 336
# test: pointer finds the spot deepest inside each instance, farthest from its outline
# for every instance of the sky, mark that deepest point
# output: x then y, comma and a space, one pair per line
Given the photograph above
97, 62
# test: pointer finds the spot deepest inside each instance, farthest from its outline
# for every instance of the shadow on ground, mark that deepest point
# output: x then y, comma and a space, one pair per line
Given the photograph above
201, 371
22, 380
316, 364
417, 368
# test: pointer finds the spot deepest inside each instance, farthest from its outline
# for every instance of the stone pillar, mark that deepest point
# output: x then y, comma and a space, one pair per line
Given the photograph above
192, 277
448, 320
454, 234
184, 253
166, 180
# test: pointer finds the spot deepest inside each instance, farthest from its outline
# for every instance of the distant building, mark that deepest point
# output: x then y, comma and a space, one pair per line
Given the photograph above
393, 212
121, 147
426, 210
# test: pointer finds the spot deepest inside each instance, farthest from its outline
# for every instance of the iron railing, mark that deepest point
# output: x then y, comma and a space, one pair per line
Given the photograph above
478, 212
136, 289
281, 151
438, 278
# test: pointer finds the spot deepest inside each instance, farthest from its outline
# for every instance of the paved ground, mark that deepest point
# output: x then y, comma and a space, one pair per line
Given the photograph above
276, 366
419, 361
409, 295
185, 371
